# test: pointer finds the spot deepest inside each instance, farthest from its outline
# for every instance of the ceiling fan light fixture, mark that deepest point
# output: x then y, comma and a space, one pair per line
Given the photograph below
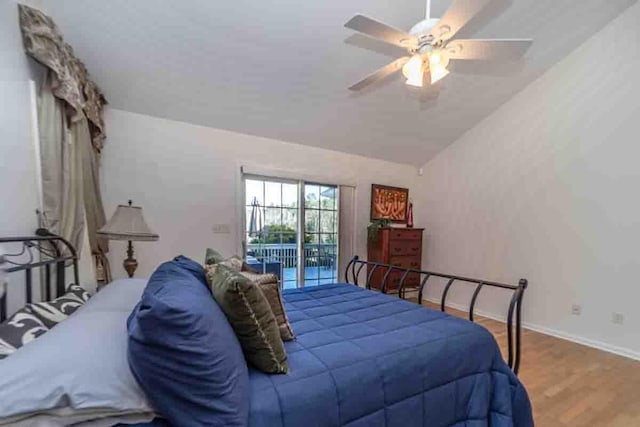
435, 58
438, 58
413, 70
415, 81
438, 72
413, 67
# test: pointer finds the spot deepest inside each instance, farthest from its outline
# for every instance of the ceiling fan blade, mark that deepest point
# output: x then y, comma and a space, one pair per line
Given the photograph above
381, 31
501, 49
380, 74
460, 12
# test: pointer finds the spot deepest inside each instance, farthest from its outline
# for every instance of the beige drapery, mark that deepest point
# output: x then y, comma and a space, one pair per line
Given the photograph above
63, 211
71, 131
93, 207
70, 80
346, 228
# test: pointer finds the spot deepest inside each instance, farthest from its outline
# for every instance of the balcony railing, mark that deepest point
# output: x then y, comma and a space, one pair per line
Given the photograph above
317, 255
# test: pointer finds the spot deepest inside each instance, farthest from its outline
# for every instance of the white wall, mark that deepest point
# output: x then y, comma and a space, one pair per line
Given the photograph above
19, 193
187, 179
18, 179
547, 188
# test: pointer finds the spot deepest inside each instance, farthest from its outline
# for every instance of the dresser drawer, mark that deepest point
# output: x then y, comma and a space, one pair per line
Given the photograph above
405, 261
405, 247
405, 234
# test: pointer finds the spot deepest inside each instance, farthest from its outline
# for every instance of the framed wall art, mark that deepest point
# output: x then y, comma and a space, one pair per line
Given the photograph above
389, 203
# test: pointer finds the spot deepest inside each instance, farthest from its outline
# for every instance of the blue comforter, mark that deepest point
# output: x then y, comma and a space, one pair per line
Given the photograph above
363, 358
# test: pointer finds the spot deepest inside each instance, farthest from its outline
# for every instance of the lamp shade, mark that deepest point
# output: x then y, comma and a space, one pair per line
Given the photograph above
127, 223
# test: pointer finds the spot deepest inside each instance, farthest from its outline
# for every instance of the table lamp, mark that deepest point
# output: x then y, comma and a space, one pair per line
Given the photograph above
127, 223
3, 266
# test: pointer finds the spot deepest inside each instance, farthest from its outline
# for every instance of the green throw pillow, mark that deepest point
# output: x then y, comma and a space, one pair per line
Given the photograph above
251, 317
213, 257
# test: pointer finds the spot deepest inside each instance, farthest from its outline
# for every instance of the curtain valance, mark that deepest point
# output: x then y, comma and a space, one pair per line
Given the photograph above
70, 80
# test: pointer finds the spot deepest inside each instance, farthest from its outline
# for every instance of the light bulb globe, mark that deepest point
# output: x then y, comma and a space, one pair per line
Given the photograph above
438, 72
414, 67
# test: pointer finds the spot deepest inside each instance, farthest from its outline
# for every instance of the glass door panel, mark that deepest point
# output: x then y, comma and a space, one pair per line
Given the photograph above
271, 229
321, 234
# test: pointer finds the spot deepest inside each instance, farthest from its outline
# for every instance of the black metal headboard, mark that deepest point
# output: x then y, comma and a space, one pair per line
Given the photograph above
39, 253
356, 265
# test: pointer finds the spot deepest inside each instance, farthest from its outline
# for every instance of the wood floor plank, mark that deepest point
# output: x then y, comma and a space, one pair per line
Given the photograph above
571, 385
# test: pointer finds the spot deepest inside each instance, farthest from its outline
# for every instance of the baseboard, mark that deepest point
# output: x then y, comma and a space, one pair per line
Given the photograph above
620, 351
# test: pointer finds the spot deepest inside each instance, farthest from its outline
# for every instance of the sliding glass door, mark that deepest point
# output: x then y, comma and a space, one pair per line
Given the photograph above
321, 234
296, 240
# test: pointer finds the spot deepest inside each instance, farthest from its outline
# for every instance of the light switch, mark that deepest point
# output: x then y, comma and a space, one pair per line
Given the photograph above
221, 228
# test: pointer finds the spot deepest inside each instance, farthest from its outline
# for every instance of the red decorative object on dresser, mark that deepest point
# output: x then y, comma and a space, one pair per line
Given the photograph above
401, 247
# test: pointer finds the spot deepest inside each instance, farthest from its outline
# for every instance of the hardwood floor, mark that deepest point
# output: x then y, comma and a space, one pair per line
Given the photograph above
573, 385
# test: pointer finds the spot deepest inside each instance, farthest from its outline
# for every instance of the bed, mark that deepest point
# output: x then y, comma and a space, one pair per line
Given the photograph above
365, 358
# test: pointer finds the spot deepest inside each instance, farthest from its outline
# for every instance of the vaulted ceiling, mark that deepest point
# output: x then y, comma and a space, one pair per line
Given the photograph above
281, 68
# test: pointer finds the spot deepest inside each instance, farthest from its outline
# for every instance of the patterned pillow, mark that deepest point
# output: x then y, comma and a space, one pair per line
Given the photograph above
235, 263
250, 315
271, 289
20, 329
53, 312
212, 257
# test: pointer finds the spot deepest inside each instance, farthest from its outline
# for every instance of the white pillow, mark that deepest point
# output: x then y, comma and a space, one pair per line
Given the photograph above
78, 371
121, 295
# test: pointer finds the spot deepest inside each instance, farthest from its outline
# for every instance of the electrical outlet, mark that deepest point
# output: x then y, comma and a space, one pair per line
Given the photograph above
576, 309
617, 318
221, 228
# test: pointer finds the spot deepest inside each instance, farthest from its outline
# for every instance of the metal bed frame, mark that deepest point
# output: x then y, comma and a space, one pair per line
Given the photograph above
355, 266
41, 252
46, 250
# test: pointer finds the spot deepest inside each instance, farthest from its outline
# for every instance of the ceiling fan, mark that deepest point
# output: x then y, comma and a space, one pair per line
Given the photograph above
431, 46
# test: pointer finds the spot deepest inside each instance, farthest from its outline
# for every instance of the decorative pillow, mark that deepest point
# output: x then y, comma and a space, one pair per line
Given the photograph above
53, 312
251, 317
192, 267
183, 352
213, 257
234, 262
271, 289
20, 329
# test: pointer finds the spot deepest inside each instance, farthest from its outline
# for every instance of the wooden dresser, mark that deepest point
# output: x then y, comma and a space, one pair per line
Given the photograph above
401, 247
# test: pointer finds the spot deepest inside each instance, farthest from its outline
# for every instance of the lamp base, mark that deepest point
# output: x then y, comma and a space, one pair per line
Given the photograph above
130, 264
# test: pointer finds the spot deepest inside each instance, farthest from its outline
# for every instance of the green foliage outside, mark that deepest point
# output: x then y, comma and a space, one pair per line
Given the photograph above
272, 234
